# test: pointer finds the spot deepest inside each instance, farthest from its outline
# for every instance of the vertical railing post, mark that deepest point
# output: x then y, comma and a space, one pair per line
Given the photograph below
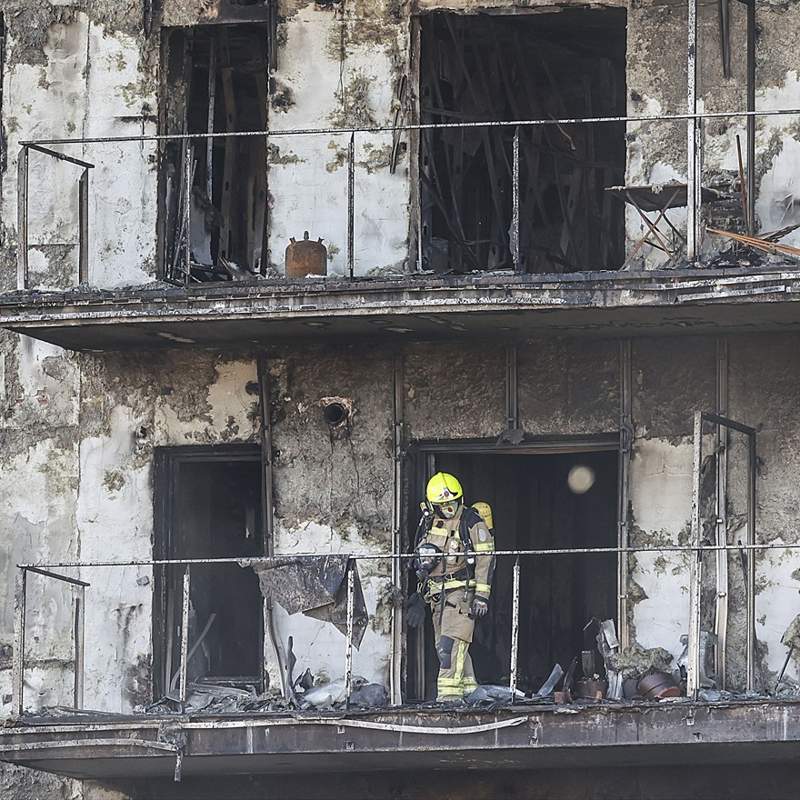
348, 661
83, 224
623, 473
184, 665
18, 676
188, 166
751, 560
22, 219
721, 524
351, 186
693, 127
695, 569
398, 424
515, 204
512, 684
751, 120
212, 97
79, 638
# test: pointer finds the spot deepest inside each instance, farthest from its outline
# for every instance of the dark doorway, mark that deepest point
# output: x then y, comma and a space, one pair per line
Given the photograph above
208, 503
534, 508
215, 80
566, 64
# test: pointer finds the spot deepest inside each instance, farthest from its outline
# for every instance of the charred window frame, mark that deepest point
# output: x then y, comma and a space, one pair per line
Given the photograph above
215, 79
485, 67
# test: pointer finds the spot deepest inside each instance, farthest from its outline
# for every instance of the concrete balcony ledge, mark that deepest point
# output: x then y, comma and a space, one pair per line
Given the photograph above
525, 737
411, 307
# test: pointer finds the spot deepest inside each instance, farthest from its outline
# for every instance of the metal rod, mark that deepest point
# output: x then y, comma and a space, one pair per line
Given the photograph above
187, 212
623, 471
522, 123
721, 605
22, 219
566, 551
56, 576
691, 141
184, 664
60, 156
83, 228
695, 570
716, 419
752, 465
515, 205
512, 684
18, 675
348, 661
751, 119
79, 637
351, 186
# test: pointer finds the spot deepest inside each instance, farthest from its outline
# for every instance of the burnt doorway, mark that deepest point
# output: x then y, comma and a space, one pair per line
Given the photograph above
208, 505
564, 64
535, 507
215, 80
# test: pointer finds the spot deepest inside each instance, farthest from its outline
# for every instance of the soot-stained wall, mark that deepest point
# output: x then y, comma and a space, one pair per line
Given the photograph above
95, 72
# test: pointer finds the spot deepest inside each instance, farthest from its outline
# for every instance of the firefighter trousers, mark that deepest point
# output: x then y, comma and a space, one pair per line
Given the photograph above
453, 628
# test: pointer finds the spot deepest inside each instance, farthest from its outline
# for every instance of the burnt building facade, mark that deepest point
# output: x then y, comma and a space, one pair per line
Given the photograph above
267, 266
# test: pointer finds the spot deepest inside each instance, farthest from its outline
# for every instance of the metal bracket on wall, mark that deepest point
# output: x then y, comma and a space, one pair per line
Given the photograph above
512, 434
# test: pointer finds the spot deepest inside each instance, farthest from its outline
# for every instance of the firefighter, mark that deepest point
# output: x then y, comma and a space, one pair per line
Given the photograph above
455, 564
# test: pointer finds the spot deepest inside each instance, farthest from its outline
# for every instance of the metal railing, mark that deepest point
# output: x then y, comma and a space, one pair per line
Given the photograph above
693, 120
694, 548
23, 274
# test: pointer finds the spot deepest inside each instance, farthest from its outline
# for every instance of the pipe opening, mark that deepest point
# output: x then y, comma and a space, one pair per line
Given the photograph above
335, 414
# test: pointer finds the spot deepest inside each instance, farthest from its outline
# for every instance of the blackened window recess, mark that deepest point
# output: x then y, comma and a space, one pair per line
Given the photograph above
212, 509
535, 506
567, 64
216, 80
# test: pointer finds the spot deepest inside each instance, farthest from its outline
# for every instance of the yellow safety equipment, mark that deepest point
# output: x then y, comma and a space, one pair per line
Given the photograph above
485, 510
443, 488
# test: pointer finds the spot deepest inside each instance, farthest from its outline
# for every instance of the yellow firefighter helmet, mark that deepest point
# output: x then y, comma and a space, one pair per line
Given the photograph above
443, 488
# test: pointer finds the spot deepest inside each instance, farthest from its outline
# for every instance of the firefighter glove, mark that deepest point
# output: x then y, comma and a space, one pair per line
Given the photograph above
415, 610
480, 607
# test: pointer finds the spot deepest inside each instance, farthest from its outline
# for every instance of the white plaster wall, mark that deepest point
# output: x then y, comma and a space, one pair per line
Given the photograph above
310, 193
115, 523
124, 182
661, 496
92, 84
42, 102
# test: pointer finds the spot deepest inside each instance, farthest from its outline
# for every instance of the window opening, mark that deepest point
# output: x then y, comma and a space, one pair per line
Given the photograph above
536, 505
210, 507
216, 79
567, 64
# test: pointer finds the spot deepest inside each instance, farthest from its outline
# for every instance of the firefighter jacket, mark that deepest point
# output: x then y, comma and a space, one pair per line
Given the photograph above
468, 548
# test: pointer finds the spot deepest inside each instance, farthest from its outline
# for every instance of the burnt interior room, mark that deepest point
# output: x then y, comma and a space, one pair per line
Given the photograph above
210, 507
533, 508
215, 81
564, 64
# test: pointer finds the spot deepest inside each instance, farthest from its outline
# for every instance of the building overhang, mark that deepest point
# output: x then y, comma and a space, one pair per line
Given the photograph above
540, 737
413, 307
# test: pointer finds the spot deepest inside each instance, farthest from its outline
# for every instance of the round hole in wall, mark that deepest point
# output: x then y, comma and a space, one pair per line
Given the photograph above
335, 414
